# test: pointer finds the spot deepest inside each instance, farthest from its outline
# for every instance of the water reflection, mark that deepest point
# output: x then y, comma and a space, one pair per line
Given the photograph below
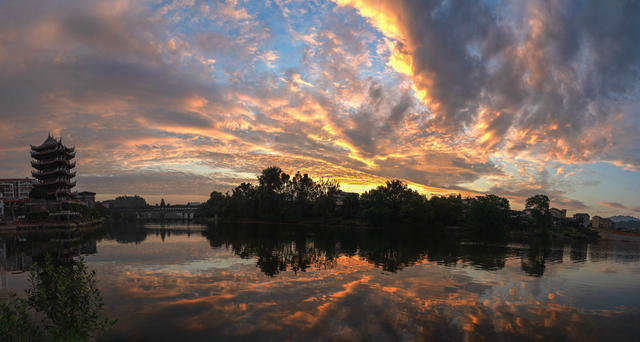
244, 282
62, 301
282, 248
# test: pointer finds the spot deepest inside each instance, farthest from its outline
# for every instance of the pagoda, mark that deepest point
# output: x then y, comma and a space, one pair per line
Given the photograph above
53, 164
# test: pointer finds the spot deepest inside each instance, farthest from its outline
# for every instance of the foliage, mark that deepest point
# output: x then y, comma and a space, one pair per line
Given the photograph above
128, 202
539, 205
66, 300
394, 203
489, 214
277, 197
15, 321
90, 213
446, 210
538, 202
213, 206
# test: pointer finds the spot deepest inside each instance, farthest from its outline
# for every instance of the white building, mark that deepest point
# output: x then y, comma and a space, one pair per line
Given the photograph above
16, 188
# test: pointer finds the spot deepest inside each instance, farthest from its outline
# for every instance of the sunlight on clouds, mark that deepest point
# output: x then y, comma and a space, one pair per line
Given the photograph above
356, 90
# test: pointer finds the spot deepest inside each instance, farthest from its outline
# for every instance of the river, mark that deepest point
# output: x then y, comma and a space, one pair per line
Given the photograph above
261, 282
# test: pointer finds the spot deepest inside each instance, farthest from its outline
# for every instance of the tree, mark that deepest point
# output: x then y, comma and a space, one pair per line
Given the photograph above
273, 179
446, 210
394, 203
66, 299
242, 203
129, 202
489, 214
215, 205
539, 204
270, 193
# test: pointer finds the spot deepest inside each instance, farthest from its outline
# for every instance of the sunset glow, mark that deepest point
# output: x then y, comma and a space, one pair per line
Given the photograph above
175, 99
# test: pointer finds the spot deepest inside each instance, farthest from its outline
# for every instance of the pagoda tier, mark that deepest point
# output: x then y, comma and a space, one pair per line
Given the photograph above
53, 164
60, 172
53, 153
54, 168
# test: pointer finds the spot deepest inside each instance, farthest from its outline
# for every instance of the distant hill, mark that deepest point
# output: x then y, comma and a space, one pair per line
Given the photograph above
621, 218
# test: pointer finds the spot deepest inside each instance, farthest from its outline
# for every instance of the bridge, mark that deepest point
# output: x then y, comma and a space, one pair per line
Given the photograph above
173, 213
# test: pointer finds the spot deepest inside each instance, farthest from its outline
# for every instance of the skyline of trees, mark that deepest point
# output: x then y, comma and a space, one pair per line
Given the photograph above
278, 197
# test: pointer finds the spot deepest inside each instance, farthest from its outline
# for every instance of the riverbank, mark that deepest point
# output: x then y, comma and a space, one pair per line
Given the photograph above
49, 226
461, 231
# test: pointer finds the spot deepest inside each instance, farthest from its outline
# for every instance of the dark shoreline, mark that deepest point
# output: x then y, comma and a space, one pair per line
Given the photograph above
47, 226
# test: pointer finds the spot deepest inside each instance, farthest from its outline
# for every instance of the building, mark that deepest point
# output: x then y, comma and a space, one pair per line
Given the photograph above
598, 222
1, 206
558, 214
53, 164
582, 219
86, 197
14, 189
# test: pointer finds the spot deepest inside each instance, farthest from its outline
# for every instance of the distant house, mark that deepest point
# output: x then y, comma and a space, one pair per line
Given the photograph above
558, 214
598, 222
86, 197
582, 219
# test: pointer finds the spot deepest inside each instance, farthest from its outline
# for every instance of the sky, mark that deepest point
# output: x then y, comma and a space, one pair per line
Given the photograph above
175, 99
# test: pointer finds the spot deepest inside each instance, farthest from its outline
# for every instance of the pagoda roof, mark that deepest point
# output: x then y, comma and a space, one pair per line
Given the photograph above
49, 141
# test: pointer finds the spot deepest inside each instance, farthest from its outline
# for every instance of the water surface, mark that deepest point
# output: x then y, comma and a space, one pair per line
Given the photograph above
260, 282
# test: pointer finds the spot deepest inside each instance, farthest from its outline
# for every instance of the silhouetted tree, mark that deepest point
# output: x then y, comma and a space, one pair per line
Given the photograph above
489, 214
393, 203
215, 205
129, 202
446, 210
539, 204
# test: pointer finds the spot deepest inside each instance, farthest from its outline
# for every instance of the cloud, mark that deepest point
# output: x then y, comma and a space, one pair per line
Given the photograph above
614, 205
548, 70
448, 97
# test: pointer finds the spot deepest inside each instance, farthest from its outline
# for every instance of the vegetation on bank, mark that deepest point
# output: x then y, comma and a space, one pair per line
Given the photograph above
279, 197
86, 213
63, 303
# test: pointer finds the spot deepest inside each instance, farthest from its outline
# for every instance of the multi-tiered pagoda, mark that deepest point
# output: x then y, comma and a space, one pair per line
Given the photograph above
54, 168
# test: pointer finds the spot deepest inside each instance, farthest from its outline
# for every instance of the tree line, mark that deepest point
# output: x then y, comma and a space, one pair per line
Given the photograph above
278, 197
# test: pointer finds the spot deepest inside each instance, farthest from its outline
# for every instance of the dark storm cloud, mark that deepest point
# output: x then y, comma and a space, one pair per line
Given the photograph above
557, 71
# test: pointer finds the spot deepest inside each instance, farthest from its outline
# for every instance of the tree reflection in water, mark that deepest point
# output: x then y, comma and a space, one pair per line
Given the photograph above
282, 248
63, 303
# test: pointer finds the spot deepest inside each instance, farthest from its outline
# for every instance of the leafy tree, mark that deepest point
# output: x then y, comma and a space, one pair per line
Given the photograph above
539, 204
272, 179
242, 203
270, 193
489, 214
129, 202
350, 207
446, 210
67, 302
215, 205
393, 203
324, 197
